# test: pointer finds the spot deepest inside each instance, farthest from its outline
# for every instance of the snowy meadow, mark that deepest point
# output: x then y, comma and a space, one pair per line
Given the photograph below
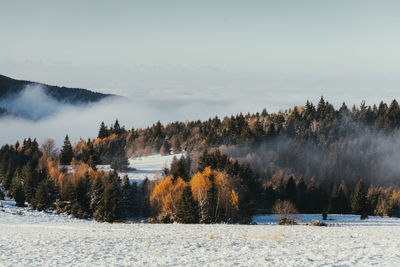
32, 238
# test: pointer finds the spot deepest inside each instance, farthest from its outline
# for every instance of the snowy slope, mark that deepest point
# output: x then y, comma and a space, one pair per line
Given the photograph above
146, 167
41, 239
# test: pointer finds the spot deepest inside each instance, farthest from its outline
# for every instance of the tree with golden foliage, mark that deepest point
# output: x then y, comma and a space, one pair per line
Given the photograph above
166, 194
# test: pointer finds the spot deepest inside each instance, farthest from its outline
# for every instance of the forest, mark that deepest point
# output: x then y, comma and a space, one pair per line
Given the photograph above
318, 158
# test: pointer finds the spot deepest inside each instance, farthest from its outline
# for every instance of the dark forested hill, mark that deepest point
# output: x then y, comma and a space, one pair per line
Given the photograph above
75, 96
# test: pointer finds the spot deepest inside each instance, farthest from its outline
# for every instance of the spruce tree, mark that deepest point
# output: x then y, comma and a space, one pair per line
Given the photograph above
187, 208
19, 196
359, 200
66, 152
103, 131
110, 202
9, 175
128, 198
45, 195
17, 189
82, 194
290, 190
29, 178
97, 199
334, 200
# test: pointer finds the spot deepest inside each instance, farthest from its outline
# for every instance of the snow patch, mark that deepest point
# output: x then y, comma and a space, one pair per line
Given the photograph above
145, 167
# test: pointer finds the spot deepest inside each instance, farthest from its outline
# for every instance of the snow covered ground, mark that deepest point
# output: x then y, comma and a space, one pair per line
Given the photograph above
43, 239
145, 167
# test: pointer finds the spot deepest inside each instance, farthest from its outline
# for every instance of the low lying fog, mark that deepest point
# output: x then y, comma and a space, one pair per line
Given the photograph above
52, 119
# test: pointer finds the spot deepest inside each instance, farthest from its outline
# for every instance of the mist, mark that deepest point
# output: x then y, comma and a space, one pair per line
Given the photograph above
48, 118
32, 103
370, 155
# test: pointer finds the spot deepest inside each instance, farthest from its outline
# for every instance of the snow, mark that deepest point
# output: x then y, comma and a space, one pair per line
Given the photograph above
46, 239
145, 167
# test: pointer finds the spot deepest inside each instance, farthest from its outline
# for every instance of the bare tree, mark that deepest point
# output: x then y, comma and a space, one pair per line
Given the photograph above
286, 210
49, 148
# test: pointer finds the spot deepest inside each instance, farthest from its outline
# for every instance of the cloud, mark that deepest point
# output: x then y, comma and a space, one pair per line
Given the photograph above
48, 118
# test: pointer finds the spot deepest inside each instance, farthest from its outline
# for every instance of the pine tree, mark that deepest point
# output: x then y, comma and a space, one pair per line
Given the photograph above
69, 198
290, 190
45, 195
116, 129
82, 193
111, 202
128, 198
103, 131
17, 189
29, 178
178, 169
97, 199
359, 200
66, 152
187, 208
19, 196
9, 175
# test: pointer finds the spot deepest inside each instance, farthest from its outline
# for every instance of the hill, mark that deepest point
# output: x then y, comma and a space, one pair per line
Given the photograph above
35, 101
75, 96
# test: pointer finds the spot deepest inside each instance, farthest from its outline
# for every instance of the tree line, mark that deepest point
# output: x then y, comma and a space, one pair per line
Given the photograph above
318, 158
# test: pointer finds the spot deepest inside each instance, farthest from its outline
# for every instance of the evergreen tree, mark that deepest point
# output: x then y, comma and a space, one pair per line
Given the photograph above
359, 200
82, 193
290, 190
29, 178
97, 199
179, 169
9, 175
111, 211
187, 208
128, 198
66, 152
17, 189
19, 196
45, 195
103, 131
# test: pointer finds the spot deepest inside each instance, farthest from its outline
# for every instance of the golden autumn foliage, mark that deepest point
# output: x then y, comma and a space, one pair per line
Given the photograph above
234, 199
227, 198
166, 195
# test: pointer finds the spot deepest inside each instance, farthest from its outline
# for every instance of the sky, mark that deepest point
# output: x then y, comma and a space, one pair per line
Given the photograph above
180, 60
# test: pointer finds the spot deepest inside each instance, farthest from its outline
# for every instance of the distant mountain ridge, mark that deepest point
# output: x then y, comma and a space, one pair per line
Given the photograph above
35, 101
75, 96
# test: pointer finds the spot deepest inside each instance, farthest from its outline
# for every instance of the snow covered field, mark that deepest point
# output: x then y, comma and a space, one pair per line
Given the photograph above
43, 239
145, 167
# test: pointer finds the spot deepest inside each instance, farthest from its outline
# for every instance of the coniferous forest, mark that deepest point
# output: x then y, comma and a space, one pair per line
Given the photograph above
318, 158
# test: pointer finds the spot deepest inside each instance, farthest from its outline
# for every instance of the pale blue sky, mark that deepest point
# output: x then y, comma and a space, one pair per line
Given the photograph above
244, 54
